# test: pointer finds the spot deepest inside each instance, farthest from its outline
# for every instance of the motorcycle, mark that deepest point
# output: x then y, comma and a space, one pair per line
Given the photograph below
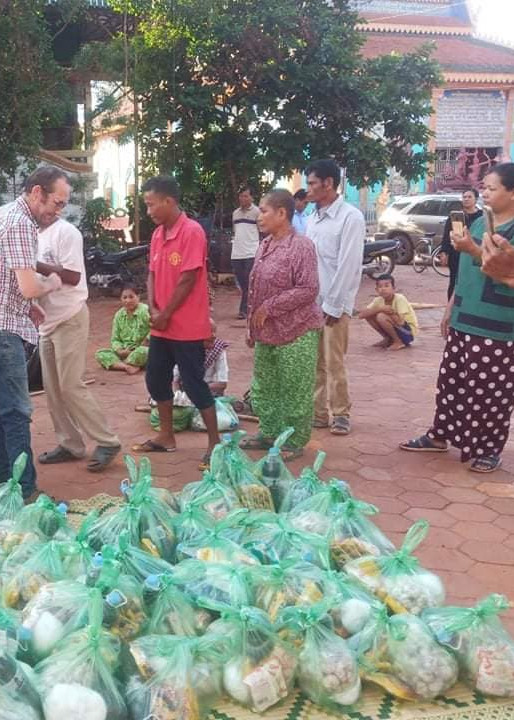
379, 258
109, 271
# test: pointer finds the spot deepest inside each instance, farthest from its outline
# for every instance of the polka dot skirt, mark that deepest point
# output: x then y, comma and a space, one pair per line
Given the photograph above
475, 394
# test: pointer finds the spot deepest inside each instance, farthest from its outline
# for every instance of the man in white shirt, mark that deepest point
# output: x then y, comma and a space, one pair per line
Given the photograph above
338, 231
63, 341
299, 221
245, 242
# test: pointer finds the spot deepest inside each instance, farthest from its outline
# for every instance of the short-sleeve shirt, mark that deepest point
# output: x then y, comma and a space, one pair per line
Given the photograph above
174, 251
61, 244
246, 233
402, 307
18, 246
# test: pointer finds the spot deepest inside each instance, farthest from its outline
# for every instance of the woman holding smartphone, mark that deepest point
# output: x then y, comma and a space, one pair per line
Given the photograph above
475, 388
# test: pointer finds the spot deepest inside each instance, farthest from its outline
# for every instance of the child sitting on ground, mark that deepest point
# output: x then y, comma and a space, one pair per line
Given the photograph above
391, 315
216, 365
130, 329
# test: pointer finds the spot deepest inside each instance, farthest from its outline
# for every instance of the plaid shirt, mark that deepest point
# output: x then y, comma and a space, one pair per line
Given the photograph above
18, 250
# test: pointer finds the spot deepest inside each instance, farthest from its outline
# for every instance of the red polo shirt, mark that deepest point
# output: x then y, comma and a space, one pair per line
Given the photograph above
172, 252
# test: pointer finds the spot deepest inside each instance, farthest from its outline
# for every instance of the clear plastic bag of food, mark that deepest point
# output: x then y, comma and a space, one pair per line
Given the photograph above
261, 671
482, 646
156, 532
192, 523
213, 546
316, 513
235, 526
46, 517
19, 696
398, 579
327, 669
307, 485
272, 539
288, 584
27, 569
273, 472
172, 612
225, 415
352, 607
230, 450
79, 678
10, 635
215, 586
134, 561
252, 493
353, 535
174, 677
107, 528
11, 497
212, 494
400, 654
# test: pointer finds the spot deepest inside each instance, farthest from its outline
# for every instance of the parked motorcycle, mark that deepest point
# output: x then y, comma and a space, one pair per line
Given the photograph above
379, 257
109, 271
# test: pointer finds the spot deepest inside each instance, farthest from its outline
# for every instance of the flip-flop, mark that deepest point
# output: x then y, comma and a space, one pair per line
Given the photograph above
56, 456
205, 462
422, 444
289, 454
256, 442
486, 464
149, 446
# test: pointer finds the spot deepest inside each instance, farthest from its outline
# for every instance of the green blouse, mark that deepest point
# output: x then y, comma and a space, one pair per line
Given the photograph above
130, 330
482, 306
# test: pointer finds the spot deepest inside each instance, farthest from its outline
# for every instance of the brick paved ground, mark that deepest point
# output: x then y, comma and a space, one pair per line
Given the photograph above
471, 542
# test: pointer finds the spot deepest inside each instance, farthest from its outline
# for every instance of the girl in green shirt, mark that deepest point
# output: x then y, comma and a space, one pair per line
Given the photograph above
130, 329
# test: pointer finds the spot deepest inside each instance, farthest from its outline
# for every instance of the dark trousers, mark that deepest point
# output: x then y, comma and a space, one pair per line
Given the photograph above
242, 270
15, 411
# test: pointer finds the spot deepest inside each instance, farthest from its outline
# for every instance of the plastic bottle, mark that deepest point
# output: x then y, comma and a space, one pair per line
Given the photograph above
271, 474
14, 680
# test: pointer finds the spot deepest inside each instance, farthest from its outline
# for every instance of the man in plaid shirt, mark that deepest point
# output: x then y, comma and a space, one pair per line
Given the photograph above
47, 192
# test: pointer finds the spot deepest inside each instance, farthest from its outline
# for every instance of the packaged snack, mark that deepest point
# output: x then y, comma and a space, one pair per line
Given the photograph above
262, 668
327, 669
352, 535
78, 679
477, 638
289, 584
400, 654
175, 677
307, 485
11, 497
172, 611
316, 513
273, 472
397, 579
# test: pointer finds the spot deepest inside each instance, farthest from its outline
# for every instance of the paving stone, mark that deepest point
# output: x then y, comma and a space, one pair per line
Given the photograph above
376, 488
463, 495
483, 532
374, 473
503, 506
477, 513
497, 489
489, 552
418, 484
505, 522
391, 523
430, 500
498, 577
436, 518
442, 558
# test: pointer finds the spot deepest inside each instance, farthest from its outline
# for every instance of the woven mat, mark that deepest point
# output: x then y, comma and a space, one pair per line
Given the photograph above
460, 703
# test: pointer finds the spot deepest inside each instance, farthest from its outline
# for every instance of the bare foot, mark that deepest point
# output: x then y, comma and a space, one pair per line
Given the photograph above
167, 441
132, 369
382, 343
397, 346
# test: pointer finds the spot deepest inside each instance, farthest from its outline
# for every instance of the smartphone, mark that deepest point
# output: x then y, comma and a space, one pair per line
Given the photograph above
489, 220
458, 221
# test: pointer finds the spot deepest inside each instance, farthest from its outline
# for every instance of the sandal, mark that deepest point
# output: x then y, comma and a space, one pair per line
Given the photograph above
205, 462
486, 464
102, 456
256, 442
57, 455
289, 453
149, 446
340, 425
422, 444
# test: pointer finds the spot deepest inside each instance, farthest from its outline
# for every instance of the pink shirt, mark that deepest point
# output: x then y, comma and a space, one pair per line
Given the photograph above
285, 280
172, 252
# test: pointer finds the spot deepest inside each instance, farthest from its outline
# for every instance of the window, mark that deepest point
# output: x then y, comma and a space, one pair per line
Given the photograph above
427, 207
450, 205
400, 205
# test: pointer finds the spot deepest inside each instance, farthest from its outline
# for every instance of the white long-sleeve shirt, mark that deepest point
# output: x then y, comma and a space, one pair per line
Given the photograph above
338, 232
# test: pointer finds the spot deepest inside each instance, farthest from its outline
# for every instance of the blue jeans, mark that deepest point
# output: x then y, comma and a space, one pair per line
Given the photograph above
15, 411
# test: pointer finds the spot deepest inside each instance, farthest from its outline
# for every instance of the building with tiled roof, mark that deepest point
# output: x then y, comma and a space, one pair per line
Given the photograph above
473, 110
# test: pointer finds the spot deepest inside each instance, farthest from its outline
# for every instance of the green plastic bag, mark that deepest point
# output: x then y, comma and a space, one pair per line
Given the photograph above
182, 418
225, 415
10, 636
262, 668
156, 532
290, 583
29, 568
307, 485
315, 514
212, 546
46, 517
107, 528
273, 539
216, 586
231, 450
483, 647
327, 668
211, 494
400, 654
19, 696
398, 579
352, 535
252, 493
175, 677
352, 607
11, 497
172, 611
81, 671
235, 526
192, 523
136, 562
273, 472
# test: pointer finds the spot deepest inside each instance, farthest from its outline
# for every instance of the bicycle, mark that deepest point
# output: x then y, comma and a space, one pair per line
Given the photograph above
425, 255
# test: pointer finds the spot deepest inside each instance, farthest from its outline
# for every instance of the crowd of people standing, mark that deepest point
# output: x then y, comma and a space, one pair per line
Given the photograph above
298, 273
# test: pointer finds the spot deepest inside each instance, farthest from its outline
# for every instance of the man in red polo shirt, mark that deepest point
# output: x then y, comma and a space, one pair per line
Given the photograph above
179, 313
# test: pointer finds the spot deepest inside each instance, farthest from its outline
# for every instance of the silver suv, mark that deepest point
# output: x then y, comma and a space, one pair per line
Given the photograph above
411, 216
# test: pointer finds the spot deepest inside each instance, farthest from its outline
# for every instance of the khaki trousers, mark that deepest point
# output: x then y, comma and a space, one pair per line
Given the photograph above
331, 394
73, 409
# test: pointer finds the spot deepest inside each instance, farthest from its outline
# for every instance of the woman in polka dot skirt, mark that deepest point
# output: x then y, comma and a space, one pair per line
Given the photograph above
475, 388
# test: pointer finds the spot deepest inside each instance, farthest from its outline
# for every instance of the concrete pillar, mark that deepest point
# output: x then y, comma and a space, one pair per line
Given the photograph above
509, 123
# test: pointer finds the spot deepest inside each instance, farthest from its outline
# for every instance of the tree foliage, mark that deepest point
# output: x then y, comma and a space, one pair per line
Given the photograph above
232, 89
33, 91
